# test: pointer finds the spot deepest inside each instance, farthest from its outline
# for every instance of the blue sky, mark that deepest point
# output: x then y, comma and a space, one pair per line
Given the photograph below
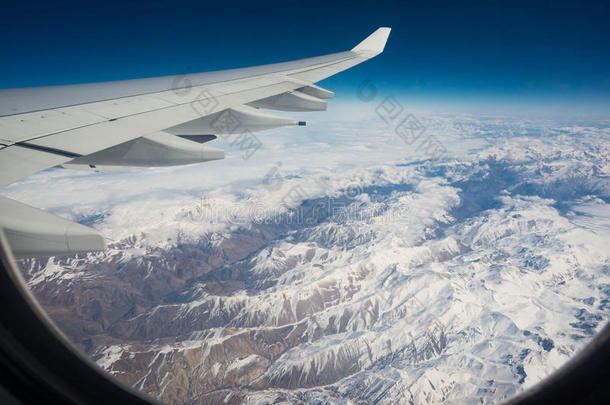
545, 55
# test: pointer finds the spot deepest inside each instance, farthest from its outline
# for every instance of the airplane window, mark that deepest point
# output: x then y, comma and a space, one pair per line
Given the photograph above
440, 242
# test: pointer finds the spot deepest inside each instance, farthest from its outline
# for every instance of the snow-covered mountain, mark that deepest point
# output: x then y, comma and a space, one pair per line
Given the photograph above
360, 270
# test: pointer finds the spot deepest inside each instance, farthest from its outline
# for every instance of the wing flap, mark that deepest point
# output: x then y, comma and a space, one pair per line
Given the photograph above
316, 91
32, 232
291, 101
17, 162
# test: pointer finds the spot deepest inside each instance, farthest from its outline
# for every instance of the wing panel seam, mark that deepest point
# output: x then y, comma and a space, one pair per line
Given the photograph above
47, 149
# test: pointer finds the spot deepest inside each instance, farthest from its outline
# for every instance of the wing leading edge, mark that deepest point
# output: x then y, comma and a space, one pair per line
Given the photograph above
145, 122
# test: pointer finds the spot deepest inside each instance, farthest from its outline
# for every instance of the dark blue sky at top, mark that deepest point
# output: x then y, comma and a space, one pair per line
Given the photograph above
550, 54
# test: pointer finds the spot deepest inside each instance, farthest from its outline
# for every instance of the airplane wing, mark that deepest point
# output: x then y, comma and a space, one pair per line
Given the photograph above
160, 121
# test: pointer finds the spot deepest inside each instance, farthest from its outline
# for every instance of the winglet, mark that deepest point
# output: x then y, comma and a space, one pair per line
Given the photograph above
374, 43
